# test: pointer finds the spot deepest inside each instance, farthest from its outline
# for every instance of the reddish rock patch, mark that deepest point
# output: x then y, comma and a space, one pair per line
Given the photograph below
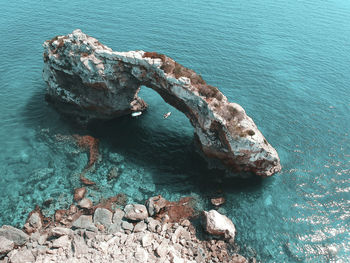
86, 181
89, 143
178, 211
79, 193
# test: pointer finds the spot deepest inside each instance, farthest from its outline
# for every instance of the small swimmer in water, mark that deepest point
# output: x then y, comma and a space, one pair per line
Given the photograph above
166, 115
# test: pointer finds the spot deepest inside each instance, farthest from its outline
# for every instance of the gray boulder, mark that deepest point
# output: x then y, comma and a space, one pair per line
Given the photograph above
103, 217
13, 234
84, 222
135, 212
5, 245
155, 204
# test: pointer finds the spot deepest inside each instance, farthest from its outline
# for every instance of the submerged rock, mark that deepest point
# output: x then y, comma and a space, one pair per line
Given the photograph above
88, 81
219, 225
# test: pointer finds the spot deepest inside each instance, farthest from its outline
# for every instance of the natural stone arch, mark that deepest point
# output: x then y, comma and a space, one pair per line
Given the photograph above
87, 80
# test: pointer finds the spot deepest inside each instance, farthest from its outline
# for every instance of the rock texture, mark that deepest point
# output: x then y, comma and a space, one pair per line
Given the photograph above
219, 225
88, 81
83, 241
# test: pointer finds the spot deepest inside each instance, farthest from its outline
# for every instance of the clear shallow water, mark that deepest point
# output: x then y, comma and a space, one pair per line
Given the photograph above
285, 62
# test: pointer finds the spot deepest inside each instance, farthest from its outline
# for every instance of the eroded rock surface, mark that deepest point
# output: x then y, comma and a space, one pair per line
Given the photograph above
87, 80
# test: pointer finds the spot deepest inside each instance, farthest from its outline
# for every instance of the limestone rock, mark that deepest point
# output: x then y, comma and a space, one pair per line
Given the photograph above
79, 246
154, 204
163, 249
135, 212
79, 193
146, 240
85, 203
88, 81
127, 226
103, 216
5, 245
140, 227
84, 222
35, 220
219, 225
61, 231
63, 242
118, 215
21, 256
13, 234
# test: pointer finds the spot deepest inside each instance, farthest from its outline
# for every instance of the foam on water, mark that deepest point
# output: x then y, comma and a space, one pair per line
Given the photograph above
285, 62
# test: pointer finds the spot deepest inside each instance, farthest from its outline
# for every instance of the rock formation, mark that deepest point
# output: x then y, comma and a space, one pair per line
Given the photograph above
107, 235
88, 81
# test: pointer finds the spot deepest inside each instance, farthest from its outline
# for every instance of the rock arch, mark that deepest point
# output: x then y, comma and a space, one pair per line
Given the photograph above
87, 80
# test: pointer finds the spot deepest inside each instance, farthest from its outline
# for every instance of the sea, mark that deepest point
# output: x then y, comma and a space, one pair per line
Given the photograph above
286, 62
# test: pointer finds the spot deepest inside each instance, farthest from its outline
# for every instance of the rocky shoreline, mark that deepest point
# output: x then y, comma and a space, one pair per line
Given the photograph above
159, 231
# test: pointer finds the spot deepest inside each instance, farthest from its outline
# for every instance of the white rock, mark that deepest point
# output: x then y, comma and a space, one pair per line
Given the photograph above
84, 222
21, 256
85, 203
147, 240
63, 242
219, 225
61, 231
17, 236
140, 227
135, 212
5, 245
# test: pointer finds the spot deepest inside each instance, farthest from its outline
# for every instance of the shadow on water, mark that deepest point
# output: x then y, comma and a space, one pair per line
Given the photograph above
169, 153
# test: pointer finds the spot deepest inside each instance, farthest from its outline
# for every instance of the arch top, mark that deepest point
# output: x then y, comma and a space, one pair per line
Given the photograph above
87, 81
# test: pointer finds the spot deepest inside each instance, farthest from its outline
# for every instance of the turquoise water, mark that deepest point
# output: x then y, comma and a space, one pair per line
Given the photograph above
286, 62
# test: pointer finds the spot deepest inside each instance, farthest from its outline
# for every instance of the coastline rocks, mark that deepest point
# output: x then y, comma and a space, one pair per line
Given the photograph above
18, 237
219, 225
135, 212
89, 81
150, 240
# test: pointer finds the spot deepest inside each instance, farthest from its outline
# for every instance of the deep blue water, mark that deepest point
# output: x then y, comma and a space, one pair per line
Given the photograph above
286, 62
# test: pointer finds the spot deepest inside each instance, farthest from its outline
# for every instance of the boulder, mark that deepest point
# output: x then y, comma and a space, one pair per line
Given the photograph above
63, 242
85, 203
5, 245
154, 204
61, 231
135, 212
79, 193
118, 215
35, 220
18, 237
103, 217
21, 256
219, 225
84, 222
